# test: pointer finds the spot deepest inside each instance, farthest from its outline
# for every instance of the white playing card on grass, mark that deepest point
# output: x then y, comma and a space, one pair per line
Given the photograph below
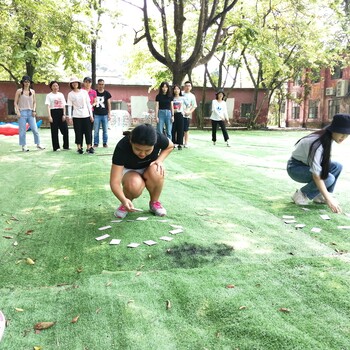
344, 227
139, 210
305, 209
176, 226
325, 217
2, 324
104, 228
102, 237
142, 218
117, 221
150, 242
175, 232
133, 245
300, 225
316, 230
288, 217
166, 238
290, 221
115, 241
162, 220
347, 214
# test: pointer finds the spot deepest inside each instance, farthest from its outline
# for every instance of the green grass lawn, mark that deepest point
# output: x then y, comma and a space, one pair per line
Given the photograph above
289, 287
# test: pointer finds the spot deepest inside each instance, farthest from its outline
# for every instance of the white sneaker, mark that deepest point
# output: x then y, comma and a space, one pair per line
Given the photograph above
214, 143
300, 198
319, 199
40, 147
228, 145
25, 149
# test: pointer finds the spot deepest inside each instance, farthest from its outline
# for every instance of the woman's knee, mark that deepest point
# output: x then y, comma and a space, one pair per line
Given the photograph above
152, 174
134, 184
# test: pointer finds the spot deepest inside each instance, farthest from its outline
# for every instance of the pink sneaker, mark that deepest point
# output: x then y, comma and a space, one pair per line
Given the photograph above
157, 209
121, 212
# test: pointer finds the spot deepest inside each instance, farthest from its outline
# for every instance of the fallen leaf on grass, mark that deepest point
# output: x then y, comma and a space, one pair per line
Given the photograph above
18, 309
284, 309
43, 325
167, 305
98, 310
8, 237
75, 319
29, 261
108, 284
8, 229
242, 307
230, 286
15, 243
37, 348
79, 269
14, 218
138, 273
29, 232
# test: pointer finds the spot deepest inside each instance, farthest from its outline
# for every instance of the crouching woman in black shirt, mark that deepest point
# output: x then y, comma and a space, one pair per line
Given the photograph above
138, 164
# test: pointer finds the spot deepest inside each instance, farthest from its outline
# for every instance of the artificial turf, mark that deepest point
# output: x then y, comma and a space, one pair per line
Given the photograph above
238, 277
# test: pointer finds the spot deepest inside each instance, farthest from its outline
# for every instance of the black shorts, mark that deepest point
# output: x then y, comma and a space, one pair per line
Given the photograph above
186, 124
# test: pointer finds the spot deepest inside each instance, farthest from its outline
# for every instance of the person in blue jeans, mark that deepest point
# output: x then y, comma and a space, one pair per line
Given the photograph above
102, 113
25, 105
164, 109
311, 164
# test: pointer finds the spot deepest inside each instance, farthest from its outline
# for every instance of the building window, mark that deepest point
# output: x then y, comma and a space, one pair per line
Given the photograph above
337, 73
246, 110
296, 112
333, 108
313, 109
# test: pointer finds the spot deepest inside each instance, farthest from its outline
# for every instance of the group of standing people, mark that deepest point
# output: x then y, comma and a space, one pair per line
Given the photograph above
87, 109
173, 112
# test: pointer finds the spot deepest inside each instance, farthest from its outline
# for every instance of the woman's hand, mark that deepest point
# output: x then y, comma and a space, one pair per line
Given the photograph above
128, 204
333, 205
159, 167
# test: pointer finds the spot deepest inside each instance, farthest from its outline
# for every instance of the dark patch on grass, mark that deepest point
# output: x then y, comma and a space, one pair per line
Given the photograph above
189, 255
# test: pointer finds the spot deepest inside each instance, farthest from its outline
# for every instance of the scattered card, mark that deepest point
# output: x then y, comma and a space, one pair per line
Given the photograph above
115, 241
133, 245
104, 228
344, 227
347, 214
102, 237
325, 217
150, 242
290, 221
316, 230
166, 238
300, 225
305, 209
142, 218
176, 226
162, 220
288, 217
175, 232
117, 221
139, 210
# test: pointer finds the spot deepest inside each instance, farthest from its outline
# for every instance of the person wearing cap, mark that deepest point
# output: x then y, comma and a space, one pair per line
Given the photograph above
25, 104
311, 164
82, 115
218, 116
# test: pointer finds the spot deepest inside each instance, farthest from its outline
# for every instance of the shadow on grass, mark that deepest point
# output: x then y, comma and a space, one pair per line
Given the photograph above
189, 255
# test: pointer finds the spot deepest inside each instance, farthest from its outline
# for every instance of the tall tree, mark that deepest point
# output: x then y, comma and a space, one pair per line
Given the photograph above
37, 35
179, 47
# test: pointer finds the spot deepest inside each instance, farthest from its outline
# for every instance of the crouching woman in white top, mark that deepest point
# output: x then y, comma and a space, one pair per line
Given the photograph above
311, 164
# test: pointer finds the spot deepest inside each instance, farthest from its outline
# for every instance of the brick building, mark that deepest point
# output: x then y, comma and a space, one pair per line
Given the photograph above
329, 94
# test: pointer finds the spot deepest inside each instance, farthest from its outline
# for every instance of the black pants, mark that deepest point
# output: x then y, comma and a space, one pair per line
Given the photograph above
82, 126
214, 126
177, 133
58, 124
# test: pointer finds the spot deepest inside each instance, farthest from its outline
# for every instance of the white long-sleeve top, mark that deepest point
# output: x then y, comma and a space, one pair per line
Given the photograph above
219, 110
80, 101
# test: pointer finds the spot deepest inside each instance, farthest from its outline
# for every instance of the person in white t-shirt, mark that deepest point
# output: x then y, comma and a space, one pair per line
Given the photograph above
311, 164
191, 106
79, 100
219, 116
56, 104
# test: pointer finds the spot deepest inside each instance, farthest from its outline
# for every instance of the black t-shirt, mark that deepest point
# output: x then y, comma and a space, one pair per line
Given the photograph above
164, 101
123, 154
101, 107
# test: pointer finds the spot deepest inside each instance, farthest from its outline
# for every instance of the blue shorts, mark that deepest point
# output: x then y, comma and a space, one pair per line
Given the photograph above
186, 124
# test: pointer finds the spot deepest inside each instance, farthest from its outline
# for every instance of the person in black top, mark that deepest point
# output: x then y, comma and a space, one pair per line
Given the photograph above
164, 109
102, 113
137, 164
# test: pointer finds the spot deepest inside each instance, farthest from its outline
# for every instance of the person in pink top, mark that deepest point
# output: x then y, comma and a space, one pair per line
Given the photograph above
92, 95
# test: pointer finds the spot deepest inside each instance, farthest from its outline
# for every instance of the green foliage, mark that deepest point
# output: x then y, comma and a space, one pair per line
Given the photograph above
38, 35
